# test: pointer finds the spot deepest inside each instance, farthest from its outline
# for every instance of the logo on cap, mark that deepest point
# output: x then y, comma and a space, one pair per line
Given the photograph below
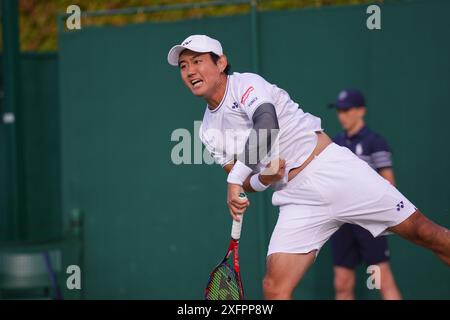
342, 95
186, 43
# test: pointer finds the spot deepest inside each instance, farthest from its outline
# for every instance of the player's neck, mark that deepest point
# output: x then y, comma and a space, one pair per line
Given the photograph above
356, 128
219, 93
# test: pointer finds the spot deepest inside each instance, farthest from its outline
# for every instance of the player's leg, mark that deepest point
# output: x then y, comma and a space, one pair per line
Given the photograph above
284, 272
376, 205
424, 232
388, 287
305, 223
344, 283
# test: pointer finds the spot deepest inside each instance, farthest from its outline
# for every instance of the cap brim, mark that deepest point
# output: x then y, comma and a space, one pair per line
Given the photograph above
340, 105
174, 53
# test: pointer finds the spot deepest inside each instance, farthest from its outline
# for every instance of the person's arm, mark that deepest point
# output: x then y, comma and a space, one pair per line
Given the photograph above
246, 185
258, 145
388, 174
266, 179
381, 158
262, 136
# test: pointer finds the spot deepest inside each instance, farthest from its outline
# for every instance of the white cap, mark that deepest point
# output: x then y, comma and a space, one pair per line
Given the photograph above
196, 43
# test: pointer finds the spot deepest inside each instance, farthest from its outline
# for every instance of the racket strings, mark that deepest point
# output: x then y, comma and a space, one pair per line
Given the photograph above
223, 284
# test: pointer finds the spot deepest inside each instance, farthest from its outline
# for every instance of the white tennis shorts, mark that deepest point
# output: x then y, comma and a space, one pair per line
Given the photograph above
336, 187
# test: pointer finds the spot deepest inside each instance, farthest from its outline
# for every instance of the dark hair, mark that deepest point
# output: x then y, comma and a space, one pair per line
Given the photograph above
215, 58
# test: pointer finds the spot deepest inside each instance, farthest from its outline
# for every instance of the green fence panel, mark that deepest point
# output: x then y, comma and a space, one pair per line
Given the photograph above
39, 104
40, 109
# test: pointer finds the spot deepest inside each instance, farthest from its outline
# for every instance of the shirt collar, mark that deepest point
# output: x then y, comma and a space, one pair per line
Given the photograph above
362, 132
223, 98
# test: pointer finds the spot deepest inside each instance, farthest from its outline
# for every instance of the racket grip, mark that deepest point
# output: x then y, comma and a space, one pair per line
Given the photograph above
237, 225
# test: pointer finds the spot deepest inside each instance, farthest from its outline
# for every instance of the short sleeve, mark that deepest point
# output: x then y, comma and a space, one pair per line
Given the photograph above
216, 152
381, 155
253, 92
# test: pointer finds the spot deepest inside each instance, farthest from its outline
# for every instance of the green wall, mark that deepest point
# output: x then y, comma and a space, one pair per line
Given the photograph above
154, 230
4, 187
39, 105
40, 109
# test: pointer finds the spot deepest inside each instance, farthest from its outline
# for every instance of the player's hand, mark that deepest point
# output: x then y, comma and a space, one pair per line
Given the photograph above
274, 172
236, 204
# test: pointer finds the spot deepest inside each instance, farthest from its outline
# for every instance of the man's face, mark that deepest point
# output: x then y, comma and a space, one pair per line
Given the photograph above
350, 117
199, 72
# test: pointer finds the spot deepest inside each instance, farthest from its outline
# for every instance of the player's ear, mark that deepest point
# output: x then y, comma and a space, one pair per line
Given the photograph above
222, 63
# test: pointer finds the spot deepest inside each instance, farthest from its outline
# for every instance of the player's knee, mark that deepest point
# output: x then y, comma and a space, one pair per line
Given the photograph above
269, 286
274, 290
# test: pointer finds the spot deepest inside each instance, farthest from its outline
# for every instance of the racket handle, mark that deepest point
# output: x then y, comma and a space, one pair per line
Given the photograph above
237, 225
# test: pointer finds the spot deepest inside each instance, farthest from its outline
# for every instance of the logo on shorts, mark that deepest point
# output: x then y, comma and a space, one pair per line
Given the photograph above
400, 205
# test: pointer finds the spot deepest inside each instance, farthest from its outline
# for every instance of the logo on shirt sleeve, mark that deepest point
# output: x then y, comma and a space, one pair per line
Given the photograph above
252, 101
246, 94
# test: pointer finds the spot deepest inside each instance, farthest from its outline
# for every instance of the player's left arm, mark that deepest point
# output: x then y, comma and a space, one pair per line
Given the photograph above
246, 185
266, 179
257, 102
258, 145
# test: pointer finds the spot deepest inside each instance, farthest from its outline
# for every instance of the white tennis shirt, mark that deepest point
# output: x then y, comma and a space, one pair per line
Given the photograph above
225, 129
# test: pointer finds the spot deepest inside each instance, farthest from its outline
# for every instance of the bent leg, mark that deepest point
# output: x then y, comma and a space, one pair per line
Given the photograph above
424, 232
284, 272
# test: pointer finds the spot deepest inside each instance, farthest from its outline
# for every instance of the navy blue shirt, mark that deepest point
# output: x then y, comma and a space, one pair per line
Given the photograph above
368, 146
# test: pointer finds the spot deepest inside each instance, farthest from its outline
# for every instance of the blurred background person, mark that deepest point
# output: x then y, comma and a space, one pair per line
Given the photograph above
352, 244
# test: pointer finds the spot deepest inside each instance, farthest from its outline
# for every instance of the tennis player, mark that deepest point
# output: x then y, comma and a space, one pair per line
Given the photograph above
318, 185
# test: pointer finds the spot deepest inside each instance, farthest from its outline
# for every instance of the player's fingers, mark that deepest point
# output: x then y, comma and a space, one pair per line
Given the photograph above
238, 205
239, 208
235, 216
235, 213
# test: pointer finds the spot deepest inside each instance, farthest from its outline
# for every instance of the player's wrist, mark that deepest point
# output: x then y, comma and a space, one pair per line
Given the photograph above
239, 173
257, 184
265, 179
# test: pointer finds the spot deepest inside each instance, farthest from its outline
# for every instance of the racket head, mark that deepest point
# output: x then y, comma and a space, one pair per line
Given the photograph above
224, 283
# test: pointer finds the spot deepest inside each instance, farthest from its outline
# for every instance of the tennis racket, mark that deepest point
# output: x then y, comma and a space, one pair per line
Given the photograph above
224, 282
